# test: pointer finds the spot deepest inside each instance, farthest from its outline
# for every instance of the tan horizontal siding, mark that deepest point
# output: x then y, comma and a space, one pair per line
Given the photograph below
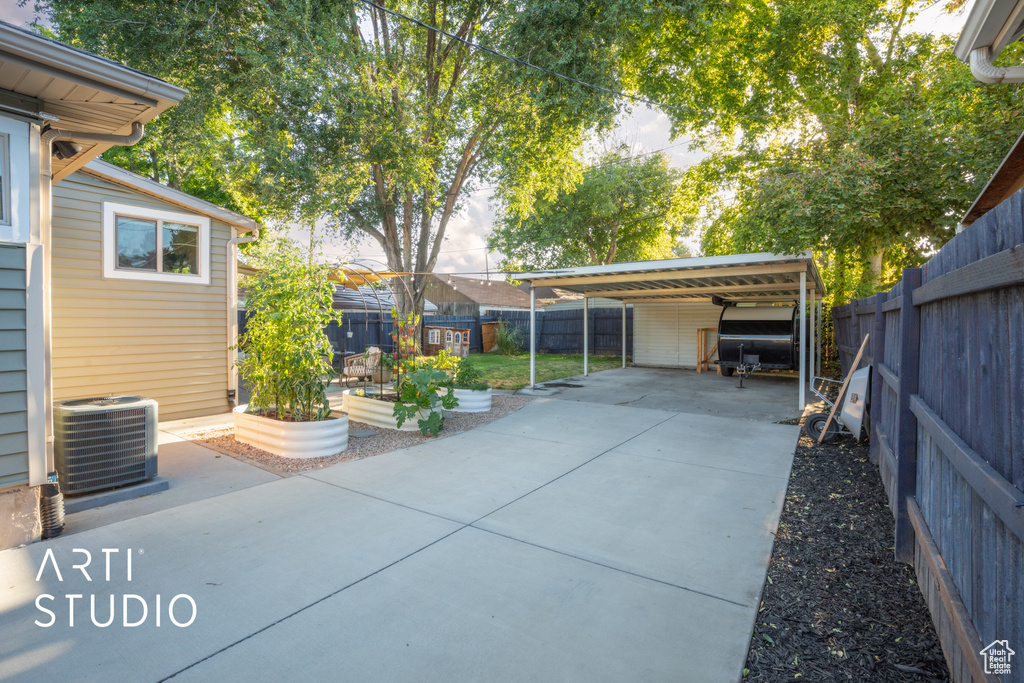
162, 340
124, 310
71, 367
185, 352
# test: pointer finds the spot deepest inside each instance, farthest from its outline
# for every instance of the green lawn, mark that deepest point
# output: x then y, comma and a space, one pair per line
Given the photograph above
513, 372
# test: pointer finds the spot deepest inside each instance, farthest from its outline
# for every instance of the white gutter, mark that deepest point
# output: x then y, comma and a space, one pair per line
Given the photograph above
973, 27
32, 51
232, 308
982, 69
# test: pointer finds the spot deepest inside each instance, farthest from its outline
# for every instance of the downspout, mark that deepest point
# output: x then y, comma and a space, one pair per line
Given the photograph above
232, 311
46, 234
982, 69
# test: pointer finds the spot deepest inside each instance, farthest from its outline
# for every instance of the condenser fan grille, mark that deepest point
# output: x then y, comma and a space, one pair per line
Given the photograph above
99, 448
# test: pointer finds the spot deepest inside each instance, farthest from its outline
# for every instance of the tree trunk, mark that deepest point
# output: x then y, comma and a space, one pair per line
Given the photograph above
875, 260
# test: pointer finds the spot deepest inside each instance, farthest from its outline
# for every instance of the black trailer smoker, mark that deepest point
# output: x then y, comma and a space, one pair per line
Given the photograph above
763, 336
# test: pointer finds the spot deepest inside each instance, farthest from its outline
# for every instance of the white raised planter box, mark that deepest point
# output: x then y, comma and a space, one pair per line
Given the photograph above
292, 439
472, 401
377, 413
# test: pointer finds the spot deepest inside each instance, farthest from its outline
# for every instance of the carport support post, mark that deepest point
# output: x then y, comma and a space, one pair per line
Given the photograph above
803, 338
817, 338
811, 346
533, 337
623, 333
586, 337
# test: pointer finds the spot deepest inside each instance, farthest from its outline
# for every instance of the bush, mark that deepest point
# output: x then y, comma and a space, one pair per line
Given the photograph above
468, 377
508, 338
419, 390
287, 361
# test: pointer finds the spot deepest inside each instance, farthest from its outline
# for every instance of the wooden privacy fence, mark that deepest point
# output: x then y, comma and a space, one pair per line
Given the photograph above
562, 331
557, 331
946, 350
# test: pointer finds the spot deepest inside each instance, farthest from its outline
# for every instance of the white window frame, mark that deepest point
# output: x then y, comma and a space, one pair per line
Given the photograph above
434, 336
110, 270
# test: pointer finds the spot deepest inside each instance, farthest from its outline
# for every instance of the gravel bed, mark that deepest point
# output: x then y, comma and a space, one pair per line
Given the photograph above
223, 440
836, 605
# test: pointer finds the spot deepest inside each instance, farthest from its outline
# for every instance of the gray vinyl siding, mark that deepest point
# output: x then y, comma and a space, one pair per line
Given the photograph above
162, 340
13, 368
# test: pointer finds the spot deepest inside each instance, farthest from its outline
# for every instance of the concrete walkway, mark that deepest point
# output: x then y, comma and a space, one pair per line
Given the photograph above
568, 541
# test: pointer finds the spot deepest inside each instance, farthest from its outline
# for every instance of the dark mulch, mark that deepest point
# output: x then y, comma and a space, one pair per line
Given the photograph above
836, 605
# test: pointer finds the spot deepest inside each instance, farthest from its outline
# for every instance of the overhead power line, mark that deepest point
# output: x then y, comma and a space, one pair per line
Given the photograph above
614, 93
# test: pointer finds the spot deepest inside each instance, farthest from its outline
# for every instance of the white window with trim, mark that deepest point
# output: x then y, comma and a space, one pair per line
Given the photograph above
140, 243
434, 336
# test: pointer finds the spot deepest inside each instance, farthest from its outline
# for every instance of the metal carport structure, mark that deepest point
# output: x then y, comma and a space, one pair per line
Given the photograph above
734, 278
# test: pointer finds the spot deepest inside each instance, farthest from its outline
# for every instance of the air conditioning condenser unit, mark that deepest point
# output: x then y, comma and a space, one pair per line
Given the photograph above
103, 443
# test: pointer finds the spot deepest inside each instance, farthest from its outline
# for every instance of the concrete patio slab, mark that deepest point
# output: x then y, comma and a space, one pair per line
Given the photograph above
247, 559
767, 397
701, 528
472, 475
193, 472
727, 443
610, 553
573, 423
478, 607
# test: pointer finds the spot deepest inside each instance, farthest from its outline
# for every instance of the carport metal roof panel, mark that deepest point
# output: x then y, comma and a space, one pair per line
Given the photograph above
736, 277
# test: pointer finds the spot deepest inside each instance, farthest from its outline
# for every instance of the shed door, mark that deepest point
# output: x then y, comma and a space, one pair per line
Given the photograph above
665, 335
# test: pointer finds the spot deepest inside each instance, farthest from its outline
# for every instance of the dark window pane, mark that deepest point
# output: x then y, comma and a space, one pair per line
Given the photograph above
136, 243
181, 248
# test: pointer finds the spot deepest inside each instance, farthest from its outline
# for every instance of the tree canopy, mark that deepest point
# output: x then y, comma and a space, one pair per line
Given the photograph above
829, 126
306, 109
621, 210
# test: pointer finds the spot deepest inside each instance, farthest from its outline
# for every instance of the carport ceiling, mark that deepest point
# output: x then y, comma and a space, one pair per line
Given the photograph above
737, 277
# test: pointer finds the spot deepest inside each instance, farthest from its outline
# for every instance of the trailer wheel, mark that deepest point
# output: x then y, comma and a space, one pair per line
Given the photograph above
727, 371
816, 422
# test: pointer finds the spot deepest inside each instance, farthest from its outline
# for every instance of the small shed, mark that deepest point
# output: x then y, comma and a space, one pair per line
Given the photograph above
454, 339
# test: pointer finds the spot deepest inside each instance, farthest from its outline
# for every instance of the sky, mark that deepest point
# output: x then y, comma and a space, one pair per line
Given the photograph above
465, 246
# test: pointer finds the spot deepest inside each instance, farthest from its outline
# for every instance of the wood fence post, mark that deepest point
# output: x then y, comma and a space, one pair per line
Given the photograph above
906, 421
877, 359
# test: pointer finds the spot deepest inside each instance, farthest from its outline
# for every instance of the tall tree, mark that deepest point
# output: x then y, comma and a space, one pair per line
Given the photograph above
621, 210
829, 126
344, 110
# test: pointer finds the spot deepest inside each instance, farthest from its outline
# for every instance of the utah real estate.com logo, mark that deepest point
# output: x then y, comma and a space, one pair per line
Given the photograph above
997, 657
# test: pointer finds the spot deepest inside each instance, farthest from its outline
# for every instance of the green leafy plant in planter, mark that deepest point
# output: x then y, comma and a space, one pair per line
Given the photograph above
418, 392
469, 378
287, 361
445, 361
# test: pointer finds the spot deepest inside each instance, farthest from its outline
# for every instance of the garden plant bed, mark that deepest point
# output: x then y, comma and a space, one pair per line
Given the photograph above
836, 605
223, 440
